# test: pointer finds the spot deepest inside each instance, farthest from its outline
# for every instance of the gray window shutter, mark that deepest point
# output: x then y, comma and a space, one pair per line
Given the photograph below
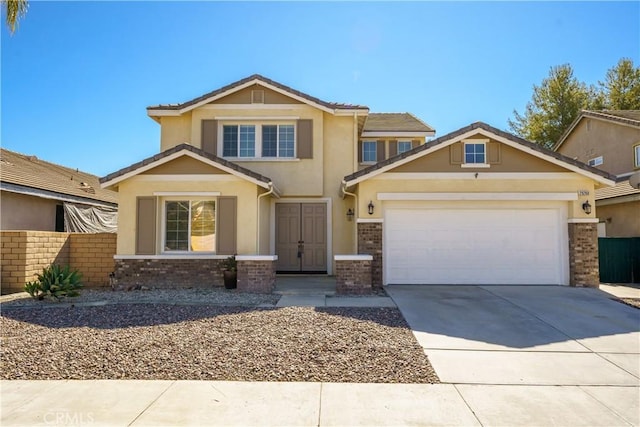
146, 226
226, 228
393, 148
380, 150
360, 145
415, 143
210, 136
455, 153
305, 138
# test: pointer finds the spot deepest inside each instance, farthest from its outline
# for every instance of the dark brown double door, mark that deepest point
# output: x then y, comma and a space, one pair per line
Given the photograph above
301, 237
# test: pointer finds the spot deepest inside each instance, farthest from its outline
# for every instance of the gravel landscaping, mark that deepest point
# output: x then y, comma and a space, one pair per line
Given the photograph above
208, 342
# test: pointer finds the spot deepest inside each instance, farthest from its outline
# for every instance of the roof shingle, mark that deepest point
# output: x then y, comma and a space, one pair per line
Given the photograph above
395, 122
29, 171
332, 105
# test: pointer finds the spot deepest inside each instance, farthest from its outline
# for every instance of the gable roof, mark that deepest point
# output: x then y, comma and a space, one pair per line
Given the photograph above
623, 117
332, 107
20, 173
182, 150
395, 122
484, 129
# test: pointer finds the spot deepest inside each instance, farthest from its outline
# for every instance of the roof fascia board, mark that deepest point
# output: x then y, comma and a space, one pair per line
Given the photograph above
550, 159
410, 158
244, 86
474, 132
45, 194
176, 155
350, 111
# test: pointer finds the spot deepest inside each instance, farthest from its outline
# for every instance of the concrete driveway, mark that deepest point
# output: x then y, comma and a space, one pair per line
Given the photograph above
508, 348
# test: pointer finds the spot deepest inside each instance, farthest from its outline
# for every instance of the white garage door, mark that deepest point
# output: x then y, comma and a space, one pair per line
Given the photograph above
474, 246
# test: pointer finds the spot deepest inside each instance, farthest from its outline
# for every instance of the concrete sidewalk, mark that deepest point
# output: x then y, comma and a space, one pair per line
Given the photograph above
190, 403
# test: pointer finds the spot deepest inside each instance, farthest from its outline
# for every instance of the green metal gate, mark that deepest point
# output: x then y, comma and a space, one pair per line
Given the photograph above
619, 259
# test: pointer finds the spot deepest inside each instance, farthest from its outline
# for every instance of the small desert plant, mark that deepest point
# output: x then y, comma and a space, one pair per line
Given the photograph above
55, 283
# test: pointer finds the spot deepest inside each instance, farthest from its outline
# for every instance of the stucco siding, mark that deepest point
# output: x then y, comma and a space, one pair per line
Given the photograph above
175, 131
245, 191
509, 160
621, 219
22, 212
368, 190
614, 142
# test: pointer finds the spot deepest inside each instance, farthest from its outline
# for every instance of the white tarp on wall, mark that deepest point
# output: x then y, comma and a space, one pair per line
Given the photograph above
90, 219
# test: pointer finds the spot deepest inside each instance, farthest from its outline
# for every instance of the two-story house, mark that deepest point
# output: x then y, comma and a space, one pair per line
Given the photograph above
610, 141
285, 179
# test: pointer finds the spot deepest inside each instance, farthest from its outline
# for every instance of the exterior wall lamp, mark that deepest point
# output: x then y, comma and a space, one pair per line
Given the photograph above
350, 214
586, 207
370, 207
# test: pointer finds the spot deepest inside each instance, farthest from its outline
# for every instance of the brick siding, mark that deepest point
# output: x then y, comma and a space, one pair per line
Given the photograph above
583, 255
370, 243
353, 277
256, 276
25, 253
168, 273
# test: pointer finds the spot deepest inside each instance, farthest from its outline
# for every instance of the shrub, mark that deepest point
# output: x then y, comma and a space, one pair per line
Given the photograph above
55, 283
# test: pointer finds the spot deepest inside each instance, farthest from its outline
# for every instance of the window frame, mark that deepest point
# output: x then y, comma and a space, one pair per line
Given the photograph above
636, 156
190, 199
399, 151
375, 151
470, 142
597, 161
258, 126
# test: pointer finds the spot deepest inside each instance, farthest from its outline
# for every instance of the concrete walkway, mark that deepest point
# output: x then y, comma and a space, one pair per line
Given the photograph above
181, 403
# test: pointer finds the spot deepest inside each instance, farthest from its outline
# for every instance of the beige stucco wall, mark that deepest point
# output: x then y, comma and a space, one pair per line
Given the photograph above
175, 131
22, 212
614, 142
245, 191
621, 219
572, 183
294, 177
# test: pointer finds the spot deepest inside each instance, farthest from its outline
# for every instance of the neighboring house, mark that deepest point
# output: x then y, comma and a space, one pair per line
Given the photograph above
42, 196
610, 141
275, 175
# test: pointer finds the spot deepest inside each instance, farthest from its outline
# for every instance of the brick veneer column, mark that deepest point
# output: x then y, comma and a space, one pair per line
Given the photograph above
583, 255
353, 274
256, 274
370, 243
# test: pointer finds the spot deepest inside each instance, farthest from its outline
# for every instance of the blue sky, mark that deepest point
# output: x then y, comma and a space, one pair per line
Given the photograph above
77, 76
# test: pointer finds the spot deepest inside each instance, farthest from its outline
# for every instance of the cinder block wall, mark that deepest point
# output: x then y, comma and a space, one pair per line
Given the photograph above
92, 254
25, 253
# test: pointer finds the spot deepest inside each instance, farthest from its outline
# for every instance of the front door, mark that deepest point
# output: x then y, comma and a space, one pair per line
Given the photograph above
301, 237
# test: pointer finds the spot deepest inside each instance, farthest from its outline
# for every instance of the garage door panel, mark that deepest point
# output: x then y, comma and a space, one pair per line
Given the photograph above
473, 246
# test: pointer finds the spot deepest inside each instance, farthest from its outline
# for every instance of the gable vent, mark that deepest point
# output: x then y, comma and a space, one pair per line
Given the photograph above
257, 96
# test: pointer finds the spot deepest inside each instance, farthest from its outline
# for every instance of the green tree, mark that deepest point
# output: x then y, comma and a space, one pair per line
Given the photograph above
621, 88
15, 10
555, 104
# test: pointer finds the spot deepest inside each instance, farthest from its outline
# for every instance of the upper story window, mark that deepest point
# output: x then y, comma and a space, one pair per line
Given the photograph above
369, 151
636, 156
404, 146
475, 153
277, 140
258, 140
596, 161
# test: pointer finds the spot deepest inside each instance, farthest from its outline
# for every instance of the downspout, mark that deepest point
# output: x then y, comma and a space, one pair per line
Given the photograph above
343, 188
271, 191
